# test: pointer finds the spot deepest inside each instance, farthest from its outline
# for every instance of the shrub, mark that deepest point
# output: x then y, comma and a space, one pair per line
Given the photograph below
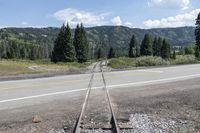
184, 59
151, 61
140, 61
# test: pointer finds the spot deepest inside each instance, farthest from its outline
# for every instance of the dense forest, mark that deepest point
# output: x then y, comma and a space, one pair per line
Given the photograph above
34, 43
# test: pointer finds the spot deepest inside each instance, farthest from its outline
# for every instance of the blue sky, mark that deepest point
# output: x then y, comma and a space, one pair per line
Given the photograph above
131, 13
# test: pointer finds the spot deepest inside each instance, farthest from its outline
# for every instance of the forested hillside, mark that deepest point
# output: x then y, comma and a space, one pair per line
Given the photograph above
38, 42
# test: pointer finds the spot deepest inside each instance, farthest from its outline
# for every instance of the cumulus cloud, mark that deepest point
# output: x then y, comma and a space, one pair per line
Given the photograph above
187, 19
170, 4
117, 21
74, 16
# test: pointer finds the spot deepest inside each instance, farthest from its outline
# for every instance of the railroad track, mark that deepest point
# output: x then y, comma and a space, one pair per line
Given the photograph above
113, 126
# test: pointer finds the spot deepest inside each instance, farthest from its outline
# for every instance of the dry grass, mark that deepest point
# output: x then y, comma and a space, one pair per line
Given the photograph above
16, 67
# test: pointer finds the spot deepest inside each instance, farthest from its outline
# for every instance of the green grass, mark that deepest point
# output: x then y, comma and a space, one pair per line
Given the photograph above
123, 63
16, 67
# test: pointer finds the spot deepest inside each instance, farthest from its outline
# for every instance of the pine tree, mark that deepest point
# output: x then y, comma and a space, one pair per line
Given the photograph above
68, 49
137, 51
111, 53
99, 53
64, 50
133, 47
81, 44
159, 46
57, 54
154, 47
23, 52
197, 34
165, 50
174, 54
197, 53
146, 46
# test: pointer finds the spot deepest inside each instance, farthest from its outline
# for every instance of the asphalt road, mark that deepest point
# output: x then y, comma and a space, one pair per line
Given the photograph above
14, 94
59, 99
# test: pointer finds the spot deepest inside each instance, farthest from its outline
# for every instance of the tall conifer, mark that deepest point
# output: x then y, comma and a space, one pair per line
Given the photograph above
197, 34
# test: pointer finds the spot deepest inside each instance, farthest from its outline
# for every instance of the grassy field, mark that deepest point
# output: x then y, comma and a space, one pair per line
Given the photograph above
125, 63
16, 67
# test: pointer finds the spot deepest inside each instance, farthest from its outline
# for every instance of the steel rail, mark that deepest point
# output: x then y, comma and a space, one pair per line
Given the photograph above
113, 122
79, 122
116, 128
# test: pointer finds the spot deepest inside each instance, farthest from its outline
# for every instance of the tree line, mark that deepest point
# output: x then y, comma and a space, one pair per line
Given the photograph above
149, 47
23, 50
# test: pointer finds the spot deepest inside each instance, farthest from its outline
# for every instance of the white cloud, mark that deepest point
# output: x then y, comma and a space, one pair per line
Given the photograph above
117, 21
169, 4
24, 23
187, 19
74, 16
129, 24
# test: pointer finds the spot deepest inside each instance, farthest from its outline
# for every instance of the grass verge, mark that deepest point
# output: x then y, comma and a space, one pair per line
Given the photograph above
125, 63
16, 67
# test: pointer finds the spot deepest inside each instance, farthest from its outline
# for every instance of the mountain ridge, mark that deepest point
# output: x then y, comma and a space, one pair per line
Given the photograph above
103, 36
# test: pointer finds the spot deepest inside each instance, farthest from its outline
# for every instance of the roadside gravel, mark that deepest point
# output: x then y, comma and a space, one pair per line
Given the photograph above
164, 108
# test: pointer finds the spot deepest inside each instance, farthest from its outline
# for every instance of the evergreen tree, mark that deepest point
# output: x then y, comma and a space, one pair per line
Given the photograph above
99, 53
81, 44
111, 53
174, 54
159, 46
137, 51
146, 46
33, 53
69, 50
197, 53
165, 50
58, 52
64, 50
133, 47
23, 52
154, 47
197, 34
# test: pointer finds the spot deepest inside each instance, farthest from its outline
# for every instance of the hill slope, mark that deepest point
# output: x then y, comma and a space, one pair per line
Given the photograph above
103, 36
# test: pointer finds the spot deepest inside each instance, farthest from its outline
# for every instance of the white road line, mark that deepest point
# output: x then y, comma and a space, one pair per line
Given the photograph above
109, 86
42, 95
156, 81
151, 71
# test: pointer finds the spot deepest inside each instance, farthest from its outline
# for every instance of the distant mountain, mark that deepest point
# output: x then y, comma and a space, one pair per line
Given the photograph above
103, 36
